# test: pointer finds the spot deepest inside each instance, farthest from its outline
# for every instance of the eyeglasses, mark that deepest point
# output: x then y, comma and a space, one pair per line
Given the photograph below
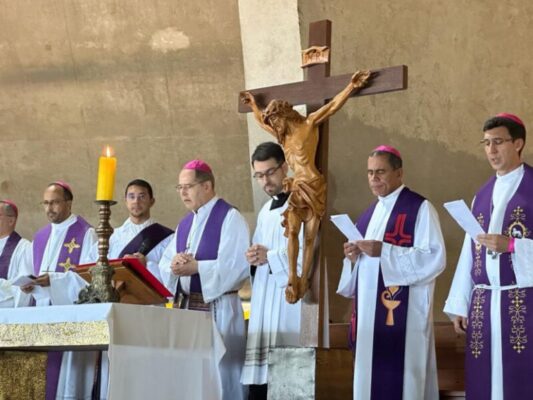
51, 203
269, 172
133, 196
187, 186
495, 141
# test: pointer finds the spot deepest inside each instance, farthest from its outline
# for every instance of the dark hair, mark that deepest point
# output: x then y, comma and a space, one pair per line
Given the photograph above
516, 130
141, 183
266, 151
67, 194
394, 161
202, 176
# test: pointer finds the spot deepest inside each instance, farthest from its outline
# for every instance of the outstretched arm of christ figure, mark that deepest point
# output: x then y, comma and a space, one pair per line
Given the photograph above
248, 99
359, 80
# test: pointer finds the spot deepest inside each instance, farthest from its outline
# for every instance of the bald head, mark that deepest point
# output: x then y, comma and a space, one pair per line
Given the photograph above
8, 219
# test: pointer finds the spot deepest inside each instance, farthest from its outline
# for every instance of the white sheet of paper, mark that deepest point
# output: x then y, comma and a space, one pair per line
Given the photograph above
346, 226
22, 281
464, 217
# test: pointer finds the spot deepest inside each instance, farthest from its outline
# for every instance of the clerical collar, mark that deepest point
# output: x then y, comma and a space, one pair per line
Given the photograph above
279, 200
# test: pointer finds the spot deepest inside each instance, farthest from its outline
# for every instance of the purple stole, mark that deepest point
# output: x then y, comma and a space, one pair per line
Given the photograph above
209, 242
9, 248
390, 325
69, 255
147, 239
516, 304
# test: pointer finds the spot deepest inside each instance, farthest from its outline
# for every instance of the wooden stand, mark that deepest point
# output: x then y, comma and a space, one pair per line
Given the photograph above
134, 283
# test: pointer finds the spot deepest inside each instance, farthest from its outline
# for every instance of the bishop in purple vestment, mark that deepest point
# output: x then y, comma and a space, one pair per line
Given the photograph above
391, 274
205, 265
491, 298
14, 260
59, 246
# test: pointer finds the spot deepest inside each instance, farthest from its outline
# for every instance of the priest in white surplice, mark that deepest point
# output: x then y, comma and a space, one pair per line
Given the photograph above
491, 297
14, 260
205, 265
273, 322
139, 236
62, 244
391, 274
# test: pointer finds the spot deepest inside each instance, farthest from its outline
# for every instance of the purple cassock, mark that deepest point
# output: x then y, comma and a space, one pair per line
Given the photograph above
516, 304
9, 248
207, 248
388, 352
69, 256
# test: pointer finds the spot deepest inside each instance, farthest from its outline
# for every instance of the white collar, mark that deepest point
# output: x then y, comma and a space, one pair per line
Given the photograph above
143, 225
66, 223
391, 197
510, 176
207, 207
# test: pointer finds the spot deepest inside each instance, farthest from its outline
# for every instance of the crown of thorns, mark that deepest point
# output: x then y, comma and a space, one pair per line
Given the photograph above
277, 107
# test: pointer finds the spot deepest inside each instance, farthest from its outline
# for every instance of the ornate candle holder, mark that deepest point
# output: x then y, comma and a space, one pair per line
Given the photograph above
100, 290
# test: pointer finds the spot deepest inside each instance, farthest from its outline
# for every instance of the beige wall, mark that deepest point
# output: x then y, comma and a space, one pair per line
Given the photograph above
267, 37
156, 79
467, 61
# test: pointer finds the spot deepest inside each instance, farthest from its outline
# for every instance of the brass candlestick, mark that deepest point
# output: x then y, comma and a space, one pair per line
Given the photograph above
100, 290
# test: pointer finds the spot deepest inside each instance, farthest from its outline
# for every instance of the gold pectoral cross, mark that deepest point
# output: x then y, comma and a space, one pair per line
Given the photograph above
72, 245
387, 298
66, 265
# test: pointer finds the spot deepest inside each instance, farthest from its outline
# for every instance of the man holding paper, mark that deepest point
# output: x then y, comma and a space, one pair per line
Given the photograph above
491, 298
391, 276
273, 321
58, 247
14, 260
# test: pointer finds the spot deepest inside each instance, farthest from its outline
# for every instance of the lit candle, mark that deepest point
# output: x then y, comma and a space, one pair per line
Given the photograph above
107, 166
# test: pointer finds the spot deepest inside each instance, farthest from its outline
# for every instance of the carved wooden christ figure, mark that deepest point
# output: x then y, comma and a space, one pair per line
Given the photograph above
298, 135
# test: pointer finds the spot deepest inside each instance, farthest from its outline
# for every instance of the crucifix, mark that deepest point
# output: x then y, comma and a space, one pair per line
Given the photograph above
315, 92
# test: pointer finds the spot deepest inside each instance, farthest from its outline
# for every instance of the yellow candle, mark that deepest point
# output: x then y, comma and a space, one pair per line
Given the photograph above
107, 166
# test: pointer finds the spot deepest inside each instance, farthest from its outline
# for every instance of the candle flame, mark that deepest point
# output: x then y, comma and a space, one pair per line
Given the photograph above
108, 151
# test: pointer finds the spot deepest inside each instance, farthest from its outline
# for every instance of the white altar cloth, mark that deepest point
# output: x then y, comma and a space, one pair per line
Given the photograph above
154, 352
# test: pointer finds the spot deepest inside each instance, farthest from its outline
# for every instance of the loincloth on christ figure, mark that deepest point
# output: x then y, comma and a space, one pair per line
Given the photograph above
307, 199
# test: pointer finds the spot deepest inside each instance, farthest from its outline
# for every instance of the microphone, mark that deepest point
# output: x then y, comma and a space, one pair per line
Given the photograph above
144, 248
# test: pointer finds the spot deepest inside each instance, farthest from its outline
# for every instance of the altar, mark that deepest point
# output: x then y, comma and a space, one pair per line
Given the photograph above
154, 352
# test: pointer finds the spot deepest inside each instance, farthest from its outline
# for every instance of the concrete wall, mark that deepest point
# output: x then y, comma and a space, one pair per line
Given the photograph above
158, 80
155, 79
268, 37
467, 61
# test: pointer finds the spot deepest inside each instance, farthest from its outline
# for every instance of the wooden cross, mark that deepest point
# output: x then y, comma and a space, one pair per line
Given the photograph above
314, 92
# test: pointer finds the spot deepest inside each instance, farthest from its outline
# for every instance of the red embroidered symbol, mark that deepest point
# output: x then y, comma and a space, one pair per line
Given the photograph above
399, 237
